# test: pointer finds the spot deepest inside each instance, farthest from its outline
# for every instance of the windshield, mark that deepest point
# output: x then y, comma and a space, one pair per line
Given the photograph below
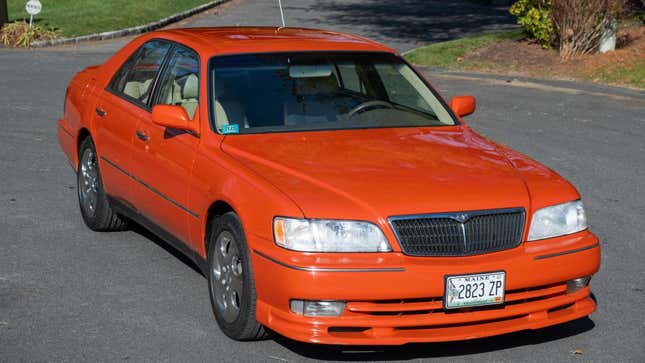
259, 93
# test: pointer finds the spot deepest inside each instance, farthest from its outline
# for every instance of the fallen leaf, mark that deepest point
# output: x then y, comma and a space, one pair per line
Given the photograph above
578, 352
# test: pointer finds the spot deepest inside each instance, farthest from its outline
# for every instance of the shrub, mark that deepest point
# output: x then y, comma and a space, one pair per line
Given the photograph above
535, 17
18, 34
579, 24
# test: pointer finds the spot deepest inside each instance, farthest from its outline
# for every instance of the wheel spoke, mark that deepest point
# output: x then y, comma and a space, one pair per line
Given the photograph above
224, 245
91, 201
234, 303
236, 285
236, 266
232, 251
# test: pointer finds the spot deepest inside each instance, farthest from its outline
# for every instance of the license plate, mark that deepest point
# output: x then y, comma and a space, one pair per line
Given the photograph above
463, 291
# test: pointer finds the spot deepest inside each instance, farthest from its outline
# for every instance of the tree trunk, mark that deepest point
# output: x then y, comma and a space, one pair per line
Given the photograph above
4, 13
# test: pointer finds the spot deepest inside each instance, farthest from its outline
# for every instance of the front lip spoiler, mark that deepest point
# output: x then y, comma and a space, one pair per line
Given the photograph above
550, 255
327, 269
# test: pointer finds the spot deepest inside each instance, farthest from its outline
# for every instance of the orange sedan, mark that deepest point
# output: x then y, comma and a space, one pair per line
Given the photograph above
325, 189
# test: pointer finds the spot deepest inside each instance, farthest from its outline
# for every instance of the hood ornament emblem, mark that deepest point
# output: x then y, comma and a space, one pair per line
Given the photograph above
461, 218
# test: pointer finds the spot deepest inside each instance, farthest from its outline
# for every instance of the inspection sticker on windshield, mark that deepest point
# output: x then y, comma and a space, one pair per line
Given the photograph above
463, 291
231, 129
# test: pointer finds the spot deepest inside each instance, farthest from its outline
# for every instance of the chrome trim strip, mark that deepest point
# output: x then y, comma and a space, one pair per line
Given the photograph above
460, 217
323, 269
567, 252
173, 202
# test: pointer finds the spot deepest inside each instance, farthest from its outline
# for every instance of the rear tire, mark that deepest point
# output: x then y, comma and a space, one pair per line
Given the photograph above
230, 280
93, 202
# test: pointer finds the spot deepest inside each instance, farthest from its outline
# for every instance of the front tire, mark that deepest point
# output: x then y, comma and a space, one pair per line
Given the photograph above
95, 207
230, 280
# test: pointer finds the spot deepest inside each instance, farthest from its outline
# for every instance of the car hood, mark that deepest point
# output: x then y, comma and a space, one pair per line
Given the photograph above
377, 173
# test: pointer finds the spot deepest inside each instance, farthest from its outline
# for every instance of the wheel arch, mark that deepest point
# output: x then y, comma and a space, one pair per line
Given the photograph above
217, 208
83, 134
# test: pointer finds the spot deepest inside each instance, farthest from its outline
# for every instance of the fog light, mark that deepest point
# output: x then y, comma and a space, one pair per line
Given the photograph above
317, 307
577, 284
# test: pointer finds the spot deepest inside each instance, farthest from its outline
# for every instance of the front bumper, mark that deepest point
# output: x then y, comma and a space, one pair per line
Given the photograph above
396, 299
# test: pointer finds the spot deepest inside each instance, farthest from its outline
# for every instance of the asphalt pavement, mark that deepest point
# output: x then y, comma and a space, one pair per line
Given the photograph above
69, 294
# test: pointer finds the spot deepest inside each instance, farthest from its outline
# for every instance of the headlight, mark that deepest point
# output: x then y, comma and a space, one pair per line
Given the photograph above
321, 235
558, 220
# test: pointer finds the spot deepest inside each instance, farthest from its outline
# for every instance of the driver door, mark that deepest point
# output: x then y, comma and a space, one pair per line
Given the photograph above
119, 108
164, 157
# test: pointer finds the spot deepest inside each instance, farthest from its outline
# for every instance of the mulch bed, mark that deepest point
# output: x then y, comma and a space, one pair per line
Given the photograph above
525, 58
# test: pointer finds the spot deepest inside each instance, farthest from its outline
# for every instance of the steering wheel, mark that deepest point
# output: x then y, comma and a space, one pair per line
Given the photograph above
367, 105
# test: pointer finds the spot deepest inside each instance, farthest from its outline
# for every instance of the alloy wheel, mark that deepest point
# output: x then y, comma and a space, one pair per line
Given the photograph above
227, 276
88, 186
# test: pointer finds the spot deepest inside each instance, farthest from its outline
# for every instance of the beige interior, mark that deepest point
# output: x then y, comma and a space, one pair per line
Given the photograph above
138, 90
174, 96
190, 95
186, 96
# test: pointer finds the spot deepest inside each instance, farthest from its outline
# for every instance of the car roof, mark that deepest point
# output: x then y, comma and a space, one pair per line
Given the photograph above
236, 40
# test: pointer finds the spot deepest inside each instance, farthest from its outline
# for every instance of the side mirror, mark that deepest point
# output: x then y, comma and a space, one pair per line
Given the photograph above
174, 117
463, 105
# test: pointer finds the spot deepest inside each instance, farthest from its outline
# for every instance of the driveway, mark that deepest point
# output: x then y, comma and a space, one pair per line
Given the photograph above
403, 24
68, 294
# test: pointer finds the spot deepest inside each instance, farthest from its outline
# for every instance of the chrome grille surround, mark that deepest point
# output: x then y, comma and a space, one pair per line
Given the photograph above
459, 233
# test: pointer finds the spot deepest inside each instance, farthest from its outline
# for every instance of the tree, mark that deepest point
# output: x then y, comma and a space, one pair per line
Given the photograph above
4, 13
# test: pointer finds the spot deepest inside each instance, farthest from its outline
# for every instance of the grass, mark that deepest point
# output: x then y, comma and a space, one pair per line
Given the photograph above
632, 75
74, 17
625, 67
447, 54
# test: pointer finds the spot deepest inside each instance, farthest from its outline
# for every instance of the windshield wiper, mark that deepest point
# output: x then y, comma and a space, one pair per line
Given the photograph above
401, 107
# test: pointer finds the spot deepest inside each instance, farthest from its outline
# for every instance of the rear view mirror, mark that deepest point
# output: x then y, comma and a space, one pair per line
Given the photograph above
309, 70
174, 117
463, 105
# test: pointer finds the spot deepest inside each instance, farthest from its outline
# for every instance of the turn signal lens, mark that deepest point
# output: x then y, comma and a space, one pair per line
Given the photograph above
577, 284
317, 307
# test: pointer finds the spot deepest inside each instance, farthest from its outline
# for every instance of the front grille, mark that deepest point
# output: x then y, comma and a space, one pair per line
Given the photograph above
459, 234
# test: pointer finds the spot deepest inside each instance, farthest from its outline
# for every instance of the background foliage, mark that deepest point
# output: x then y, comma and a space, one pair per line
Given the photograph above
535, 17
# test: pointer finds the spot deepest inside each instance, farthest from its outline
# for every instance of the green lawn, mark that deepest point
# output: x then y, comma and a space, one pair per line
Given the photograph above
445, 54
633, 75
79, 17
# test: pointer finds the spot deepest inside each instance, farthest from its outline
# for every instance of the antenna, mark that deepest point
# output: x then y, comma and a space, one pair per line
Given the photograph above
281, 13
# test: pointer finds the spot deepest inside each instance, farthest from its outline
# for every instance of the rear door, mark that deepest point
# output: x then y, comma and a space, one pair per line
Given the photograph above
164, 157
121, 106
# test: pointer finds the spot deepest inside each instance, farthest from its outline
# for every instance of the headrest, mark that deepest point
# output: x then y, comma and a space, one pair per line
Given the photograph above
133, 89
191, 87
145, 85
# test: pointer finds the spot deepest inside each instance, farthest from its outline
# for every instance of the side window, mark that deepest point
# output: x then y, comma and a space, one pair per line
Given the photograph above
400, 90
134, 79
179, 82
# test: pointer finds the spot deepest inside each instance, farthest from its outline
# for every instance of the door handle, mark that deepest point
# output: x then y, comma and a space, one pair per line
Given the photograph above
101, 112
142, 135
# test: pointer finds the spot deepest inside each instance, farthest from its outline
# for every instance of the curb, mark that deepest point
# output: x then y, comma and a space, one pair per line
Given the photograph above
130, 31
560, 84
